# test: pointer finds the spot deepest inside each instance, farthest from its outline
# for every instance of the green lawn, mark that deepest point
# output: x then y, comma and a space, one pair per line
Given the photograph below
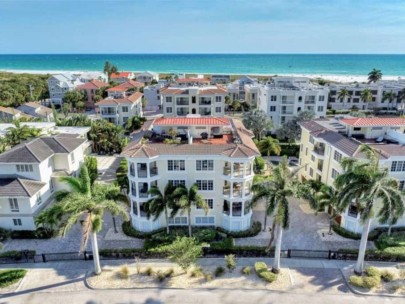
11, 276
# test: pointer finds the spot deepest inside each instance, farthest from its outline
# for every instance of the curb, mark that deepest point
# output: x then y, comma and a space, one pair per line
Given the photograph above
360, 293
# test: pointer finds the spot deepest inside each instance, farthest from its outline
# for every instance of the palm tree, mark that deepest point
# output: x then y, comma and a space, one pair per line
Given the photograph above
366, 96
15, 135
84, 204
160, 203
186, 199
390, 96
268, 145
343, 95
374, 75
122, 175
276, 189
365, 184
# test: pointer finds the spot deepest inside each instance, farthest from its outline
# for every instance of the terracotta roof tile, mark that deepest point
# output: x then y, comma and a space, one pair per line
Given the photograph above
121, 75
374, 121
126, 85
92, 85
192, 121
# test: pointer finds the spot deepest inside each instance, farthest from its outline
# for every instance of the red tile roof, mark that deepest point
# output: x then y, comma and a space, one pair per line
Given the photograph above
121, 75
127, 85
92, 85
374, 121
192, 121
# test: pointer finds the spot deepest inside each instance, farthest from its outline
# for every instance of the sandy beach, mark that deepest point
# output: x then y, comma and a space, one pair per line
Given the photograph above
334, 78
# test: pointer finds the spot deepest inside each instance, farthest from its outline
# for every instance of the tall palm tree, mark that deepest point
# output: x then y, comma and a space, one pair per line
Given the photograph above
365, 184
343, 95
15, 135
390, 96
160, 203
186, 199
366, 96
268, 145
374, 75
276, 189
84, 204
122, 175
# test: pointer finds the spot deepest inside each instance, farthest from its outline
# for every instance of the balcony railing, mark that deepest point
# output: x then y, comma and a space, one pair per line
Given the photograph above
227, 171
153, 171
106, 112
287, 102
227, 191
238, 172
182, 102
287, 112
237, 193
142, 173
143, 193
319, 150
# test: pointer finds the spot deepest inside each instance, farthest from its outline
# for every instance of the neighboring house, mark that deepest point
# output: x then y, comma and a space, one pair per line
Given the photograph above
147, 77
35, 109
125, 88
47, 128
215, 153
377, 89
89, 76
192, 81
220, 79
236, 89
285, 97
90, 88
119, 110
59, 84
152, 96
8, 114
30, 175
324, 142
203, 100
122, 77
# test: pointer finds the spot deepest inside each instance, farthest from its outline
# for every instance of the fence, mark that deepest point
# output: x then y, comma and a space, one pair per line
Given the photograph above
29, 257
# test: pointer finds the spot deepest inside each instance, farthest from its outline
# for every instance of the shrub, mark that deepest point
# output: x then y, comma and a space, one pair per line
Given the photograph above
197, 272
169, 273
124, 272
230, 262
11, 276
387, 276
4, 234
149, 271
396, 239
372, 272
371, 282
131, 231
208, 276
160, 276
373, 235
17, 255
205, 235
246, 270
264, 273
219, 271
252, 231
356, 281
226, 244
39, 233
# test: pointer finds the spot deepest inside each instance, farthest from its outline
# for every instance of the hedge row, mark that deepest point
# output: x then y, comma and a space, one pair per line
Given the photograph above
372, 236
16, 255
252, 231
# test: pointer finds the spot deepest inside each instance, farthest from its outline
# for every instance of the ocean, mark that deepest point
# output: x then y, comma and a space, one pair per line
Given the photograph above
267, 64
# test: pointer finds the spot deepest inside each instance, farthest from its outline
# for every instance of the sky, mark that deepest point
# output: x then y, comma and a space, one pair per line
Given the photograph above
202, 26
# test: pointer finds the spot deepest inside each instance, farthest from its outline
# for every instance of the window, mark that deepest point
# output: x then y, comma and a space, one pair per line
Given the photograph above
218, 110
205, 165
17, 222
283, 98
321, 98
357, 129
218, 98
306, 151
169, 110
237, 209
401, 185
168, 99
133, 188
178, 220
125, 109
24, 168
14, 205
337, 156
352, 211
334, 174
205, 184
209, 202
312, 158
377, 128
176, 165
143, 209
320, 108
311, 139
311, 172
177, 182
204, 220
73, 158
272, 108
398, 166
51, 185
135, 207
273, 98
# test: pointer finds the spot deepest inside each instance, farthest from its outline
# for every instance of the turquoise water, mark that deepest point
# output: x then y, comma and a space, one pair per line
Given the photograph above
213, 63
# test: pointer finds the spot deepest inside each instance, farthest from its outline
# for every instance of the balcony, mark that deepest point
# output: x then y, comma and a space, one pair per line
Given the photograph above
143, 193
182, 102
238, 172
287, 112
142, 173
153, 171
320, 167
204, 102
227, 171
309, 102
320, 150
108, 112
290, 102
226, 191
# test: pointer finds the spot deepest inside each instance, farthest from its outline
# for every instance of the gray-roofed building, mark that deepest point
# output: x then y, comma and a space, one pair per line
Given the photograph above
37, 110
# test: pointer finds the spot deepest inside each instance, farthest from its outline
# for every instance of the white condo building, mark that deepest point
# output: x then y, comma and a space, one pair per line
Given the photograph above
378, 90
237, 89
30, 175
60, 84
324, 142
182, 100
215, 153
285, 97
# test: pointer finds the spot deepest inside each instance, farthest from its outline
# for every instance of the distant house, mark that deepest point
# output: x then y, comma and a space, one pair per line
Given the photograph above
122, 90
192, 81
122, 77
147, 77
59, 84
89, 76
220, 79
119, 110
8, 114
90, 88
37, 110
